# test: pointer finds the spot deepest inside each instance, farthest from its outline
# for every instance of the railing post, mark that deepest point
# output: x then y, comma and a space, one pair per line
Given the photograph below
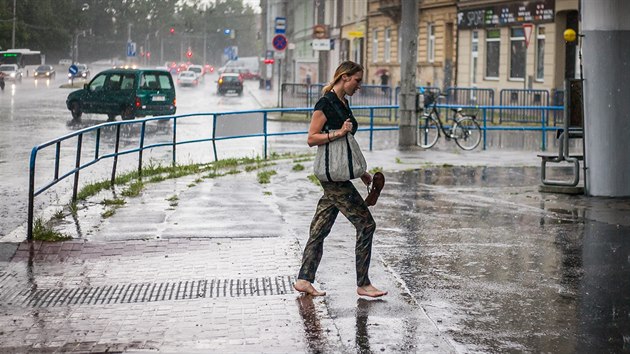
31, 196
174, 162
142, 132
75, 187
214, 135
485, 126
544, 133
371, 127
116, 147
265, 132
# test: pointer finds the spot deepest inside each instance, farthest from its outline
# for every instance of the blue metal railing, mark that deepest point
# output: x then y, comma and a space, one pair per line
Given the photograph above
79, 165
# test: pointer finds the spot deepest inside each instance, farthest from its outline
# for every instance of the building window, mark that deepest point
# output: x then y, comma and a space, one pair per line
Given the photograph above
517, 53
493, 46
388, 45
540, 54
374, 46
474, 45
399, 45
431, 43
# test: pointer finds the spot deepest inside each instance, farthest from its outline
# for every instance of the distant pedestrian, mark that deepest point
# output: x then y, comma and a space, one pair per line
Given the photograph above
384, 81
2, 81
338, 196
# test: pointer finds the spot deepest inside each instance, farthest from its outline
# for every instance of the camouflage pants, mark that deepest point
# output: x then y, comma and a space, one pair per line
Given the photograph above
339, 196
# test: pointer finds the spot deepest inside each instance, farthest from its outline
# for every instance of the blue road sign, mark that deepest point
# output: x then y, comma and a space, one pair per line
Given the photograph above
131, 49
279, 42
281, 25
73, 69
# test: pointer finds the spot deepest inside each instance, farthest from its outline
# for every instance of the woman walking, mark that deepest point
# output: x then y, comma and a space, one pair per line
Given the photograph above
338, 196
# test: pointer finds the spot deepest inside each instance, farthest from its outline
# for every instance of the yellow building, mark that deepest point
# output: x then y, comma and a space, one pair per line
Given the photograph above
515, 44
436, 42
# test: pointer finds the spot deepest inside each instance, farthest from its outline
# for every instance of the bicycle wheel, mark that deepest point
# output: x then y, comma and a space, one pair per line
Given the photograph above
428, 132
467, 133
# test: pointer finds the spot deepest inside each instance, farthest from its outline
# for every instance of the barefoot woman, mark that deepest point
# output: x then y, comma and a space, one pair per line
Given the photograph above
338, 196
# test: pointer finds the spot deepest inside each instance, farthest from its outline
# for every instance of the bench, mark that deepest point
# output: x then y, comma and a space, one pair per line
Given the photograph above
573, 128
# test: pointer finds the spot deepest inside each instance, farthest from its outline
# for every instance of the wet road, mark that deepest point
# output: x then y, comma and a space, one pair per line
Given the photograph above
503, 268
34, 112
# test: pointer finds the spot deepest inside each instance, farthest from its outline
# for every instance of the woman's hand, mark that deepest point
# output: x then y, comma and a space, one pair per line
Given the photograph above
366, 178
346, 127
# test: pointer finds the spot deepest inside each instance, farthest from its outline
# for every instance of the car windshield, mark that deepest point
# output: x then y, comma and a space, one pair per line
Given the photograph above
7, 68
187, 74
230, 78
197, 70
43, 68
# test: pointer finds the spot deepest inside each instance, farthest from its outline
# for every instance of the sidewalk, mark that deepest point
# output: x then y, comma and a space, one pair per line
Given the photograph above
474, 259
212, 271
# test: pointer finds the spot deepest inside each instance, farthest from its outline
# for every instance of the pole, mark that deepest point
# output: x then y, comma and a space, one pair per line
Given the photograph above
279, 80
14, 20
407, 136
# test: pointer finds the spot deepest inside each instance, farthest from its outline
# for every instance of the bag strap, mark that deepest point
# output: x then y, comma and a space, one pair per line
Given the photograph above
349, 149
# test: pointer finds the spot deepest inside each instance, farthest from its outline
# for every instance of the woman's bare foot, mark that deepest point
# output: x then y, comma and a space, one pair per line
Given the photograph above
306, 287
370, 290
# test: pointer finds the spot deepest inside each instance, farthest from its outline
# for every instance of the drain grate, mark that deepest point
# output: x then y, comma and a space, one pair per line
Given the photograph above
149, 292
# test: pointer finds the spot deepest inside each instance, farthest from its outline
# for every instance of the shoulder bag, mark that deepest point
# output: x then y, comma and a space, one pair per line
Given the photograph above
339, 160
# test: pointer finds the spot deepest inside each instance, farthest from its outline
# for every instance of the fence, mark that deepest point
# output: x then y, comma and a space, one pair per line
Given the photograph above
520, 97
224, 127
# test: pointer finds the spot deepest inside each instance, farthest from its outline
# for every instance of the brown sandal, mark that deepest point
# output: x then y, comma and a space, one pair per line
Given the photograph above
378, 182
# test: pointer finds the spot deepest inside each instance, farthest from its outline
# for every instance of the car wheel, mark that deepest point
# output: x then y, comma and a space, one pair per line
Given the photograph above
240, 93
75, 109
111, 117
127, 113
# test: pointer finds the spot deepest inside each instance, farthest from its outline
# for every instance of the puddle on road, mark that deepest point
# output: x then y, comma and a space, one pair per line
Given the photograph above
502, 267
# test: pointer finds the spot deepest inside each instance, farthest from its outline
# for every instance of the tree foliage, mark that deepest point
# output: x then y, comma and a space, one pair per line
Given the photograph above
103, 27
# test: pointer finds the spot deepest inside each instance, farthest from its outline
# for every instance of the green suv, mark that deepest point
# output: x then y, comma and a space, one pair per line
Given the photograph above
129, 93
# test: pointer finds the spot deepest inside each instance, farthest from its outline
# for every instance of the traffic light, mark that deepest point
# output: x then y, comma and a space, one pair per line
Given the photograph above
172, 30
269, 61
189, 54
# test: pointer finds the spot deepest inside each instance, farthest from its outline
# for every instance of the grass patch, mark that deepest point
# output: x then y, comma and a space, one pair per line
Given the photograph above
398, 160
133, 190
376, 169
264, 177
298, 167
58, 215
116, 201
43, 232
314, 180
108, 213
266, 193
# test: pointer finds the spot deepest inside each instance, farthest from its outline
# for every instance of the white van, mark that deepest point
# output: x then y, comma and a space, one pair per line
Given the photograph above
248, 67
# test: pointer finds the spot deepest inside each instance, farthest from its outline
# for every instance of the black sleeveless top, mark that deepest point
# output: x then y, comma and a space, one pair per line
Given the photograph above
335, 115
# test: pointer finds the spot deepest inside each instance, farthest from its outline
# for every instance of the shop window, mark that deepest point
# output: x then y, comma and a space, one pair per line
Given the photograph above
540, 54
517, 53
493, 49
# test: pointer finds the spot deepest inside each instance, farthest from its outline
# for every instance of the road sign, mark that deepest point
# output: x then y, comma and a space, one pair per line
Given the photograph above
279, 42
281, 25
131, 49
73, 69
528, 28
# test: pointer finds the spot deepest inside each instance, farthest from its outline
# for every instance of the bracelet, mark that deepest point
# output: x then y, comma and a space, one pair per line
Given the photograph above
329, 137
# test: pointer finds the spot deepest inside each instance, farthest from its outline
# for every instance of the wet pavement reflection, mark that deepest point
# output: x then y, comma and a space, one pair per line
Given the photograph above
501, 267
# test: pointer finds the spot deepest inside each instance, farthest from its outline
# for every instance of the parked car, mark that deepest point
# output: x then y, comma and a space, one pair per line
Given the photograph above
12, 72
83, 72
230, 82
187, 78
44, 72
129, 93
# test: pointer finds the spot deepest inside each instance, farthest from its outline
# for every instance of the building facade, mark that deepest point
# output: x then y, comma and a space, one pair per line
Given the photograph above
515, 44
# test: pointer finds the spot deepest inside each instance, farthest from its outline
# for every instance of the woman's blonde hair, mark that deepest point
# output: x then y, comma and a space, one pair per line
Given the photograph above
346, 68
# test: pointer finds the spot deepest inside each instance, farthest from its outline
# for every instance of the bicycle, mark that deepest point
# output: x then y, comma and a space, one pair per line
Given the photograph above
465, 131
